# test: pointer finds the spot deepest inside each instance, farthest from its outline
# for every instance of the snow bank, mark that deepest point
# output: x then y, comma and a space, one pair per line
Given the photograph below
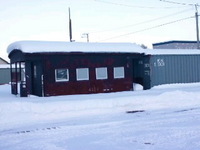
39, 109
137, 87
169, 120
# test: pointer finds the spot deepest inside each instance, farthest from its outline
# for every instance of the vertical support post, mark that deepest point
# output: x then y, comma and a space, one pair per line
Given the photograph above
11, 78
70, 27
16, 79
20, 81
87, 37
197, 26
42, 79
20, 72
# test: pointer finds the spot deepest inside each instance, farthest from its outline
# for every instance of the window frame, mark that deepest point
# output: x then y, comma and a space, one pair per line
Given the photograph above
62, 80
104, 77
118, 76
82, 79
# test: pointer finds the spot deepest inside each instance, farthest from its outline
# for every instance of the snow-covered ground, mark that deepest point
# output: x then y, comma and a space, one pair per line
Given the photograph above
163, 118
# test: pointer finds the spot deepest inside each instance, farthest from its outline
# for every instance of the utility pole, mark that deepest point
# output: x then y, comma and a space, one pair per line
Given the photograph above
70, 27
197, 25
85, 35
196, 16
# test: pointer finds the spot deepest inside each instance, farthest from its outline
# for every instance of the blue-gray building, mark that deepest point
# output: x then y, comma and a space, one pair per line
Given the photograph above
4, 71
167, 69
176, 45
164, 66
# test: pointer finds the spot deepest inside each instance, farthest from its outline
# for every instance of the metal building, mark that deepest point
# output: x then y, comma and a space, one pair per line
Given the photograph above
176, 45
174, 67
4, 73
3, 61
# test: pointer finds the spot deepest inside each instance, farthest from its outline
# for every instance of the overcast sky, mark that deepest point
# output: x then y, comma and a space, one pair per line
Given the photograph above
136, 21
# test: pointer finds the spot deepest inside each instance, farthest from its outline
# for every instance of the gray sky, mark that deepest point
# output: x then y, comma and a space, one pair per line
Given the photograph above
136, 21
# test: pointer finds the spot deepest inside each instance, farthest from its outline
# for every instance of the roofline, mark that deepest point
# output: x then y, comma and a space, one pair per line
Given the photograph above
80, 52
61, 46
74, 53
173, 41
4, 60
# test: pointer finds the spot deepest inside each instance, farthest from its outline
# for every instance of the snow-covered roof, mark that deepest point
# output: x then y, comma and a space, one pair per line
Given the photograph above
4, 66
51, 46
172, 52
2, 61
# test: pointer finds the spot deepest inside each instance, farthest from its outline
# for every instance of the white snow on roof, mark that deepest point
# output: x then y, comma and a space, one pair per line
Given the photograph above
4, 66
172, 52
52, 46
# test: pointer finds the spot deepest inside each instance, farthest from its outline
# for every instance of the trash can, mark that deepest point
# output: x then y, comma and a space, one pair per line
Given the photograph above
23, 90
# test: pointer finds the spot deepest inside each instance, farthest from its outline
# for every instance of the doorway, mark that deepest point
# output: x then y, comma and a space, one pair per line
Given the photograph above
138, 69
37, 78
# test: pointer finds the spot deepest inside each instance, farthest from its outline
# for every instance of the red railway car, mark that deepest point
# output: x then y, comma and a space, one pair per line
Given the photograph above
65, 68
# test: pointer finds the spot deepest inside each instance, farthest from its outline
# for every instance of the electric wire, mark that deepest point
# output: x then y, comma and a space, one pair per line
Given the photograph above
172, 2
125, 5
148, 28
157, 26
143, 22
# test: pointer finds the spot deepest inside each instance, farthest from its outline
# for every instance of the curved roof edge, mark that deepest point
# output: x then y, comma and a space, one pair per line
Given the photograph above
51, 46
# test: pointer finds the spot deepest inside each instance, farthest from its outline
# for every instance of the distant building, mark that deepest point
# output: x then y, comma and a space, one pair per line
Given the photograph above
4, 71
2, 61
176, 45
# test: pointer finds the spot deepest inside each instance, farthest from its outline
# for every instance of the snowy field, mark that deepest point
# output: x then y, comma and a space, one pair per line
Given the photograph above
163, 118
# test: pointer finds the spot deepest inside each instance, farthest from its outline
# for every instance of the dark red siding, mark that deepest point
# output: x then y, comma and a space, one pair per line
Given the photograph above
91, 61
40, 72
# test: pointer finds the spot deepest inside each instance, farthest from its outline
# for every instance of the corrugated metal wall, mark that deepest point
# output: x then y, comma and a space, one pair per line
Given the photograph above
167, 69
4, 75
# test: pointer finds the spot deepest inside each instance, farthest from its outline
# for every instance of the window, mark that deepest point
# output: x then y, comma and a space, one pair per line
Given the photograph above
101, 73
82, 74
119, 72
62, 75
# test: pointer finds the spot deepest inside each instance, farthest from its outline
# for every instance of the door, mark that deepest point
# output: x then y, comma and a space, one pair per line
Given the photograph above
138, 69
37, 79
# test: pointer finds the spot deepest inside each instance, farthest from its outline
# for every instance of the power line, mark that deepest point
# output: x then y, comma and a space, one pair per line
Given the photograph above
143, 22
147, 28
172, 2
125, 5
196, 16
